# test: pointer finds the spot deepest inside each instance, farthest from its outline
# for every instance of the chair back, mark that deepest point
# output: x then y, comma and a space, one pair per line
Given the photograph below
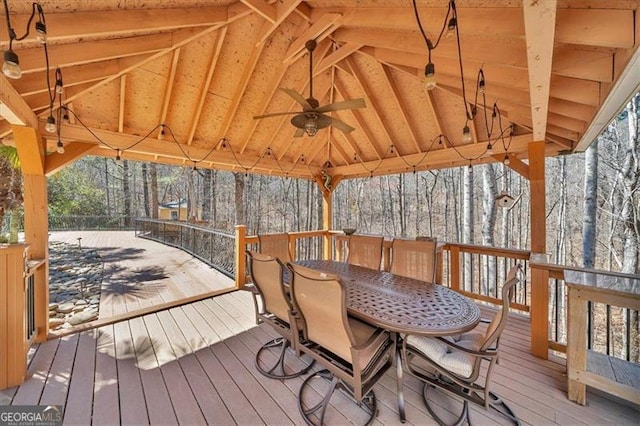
499, 321
414, 259
320, 300
266, 274
365, 251
276, 245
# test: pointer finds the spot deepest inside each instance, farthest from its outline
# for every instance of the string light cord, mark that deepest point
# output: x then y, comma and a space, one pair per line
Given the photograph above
430, 45
175, 140
12, 32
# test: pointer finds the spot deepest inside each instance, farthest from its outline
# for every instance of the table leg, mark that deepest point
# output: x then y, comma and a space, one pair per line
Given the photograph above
399, 378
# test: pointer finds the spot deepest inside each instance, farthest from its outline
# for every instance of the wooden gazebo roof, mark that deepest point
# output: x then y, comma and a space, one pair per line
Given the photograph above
559, 73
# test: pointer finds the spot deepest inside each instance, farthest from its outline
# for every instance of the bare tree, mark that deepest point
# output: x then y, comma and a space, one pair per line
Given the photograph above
590, 206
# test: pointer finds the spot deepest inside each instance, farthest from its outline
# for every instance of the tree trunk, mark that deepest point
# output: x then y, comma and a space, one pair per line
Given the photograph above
489, 193
467, 225
145, 190
126, 192
631, 186
153, 174
590, 206
206, 197
239, 198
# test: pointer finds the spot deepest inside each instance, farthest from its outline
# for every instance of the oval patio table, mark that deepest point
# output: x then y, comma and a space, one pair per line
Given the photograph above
401, 305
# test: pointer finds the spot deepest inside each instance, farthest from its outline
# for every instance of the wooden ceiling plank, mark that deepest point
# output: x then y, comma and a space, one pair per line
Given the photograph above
540, 23
13, 107
595, 27
204, 91
284, 8
312, 33
65, 26
55, 162
371, 101
168, 89
346, 158
121, 110
368, 136
262, 8
242, 85
33, 83
588, 27
147, 60
401, 106
32, 60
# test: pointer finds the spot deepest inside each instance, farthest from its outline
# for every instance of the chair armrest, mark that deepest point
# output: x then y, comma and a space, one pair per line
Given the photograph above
484, 354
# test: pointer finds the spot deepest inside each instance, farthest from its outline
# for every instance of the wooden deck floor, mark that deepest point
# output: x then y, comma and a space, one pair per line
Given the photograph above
139, 273
194, 364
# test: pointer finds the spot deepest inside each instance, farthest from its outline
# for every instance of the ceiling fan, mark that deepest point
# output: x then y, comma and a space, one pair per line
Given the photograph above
313, 117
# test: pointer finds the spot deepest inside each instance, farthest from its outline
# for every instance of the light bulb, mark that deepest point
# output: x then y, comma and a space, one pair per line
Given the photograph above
466, 134
51, 124
481, 86
41, 32
489, 149
430, 76
451, 28
59, 87
506, 160
310, 127
11, 66
65, 118
118, 158
60, 148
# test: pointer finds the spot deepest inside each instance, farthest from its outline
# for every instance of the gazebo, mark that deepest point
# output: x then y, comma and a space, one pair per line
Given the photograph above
200, 84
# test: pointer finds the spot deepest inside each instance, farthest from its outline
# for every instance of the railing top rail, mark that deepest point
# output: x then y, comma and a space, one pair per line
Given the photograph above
187, 225
507, 252
561, 268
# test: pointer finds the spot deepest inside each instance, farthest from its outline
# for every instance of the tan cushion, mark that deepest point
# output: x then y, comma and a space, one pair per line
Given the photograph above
361, 333
450, 359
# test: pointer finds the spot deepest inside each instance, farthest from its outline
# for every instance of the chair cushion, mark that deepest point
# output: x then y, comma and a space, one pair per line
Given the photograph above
361, 333
448, 358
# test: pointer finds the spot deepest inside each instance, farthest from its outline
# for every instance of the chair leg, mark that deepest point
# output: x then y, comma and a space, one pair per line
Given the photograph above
464, 414
400, 384
500, 406
368, 403
278, 370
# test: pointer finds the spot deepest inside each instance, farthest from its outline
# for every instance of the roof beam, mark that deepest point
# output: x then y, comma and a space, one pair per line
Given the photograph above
204, 91
81, 25
336, 56
168, 89
72, 152
13, 107
319, 30
123, 94
262, 8
540, 23
284, 8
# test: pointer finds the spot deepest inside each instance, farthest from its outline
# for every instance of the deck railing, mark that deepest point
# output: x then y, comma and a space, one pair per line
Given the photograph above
215, 248
80, 223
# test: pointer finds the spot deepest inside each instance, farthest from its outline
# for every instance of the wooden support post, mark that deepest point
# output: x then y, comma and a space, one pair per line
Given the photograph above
327, 210
13, 328
241, 259
576, 346
31, 151
539, 277
454, 268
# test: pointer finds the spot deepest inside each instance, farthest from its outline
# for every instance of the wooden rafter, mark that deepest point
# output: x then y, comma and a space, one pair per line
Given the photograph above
13, 107
284, 8
540, 23
262, 8
204, 90
168, 89
315, 32
123, 99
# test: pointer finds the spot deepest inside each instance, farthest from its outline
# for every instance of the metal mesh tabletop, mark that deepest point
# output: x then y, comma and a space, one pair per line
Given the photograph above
401, 304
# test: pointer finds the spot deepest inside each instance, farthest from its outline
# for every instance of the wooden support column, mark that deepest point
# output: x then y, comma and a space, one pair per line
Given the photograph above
31, 151
327, 210
241, 259
539, 277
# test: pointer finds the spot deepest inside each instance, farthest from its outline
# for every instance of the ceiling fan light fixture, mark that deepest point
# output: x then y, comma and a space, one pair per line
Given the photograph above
430, 76
311, 127
11, 65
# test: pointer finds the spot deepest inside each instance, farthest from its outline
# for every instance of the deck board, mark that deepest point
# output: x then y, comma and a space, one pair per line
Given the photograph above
194, 364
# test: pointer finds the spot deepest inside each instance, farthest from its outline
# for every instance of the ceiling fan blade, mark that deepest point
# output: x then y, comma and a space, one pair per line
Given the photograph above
344, 127
298, 98
337, 106
299, 133
275, 114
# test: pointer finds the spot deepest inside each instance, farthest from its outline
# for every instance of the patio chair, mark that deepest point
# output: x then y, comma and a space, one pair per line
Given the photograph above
354, 354
276, 245
454, 363
365, 251
414, 259
266, 273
